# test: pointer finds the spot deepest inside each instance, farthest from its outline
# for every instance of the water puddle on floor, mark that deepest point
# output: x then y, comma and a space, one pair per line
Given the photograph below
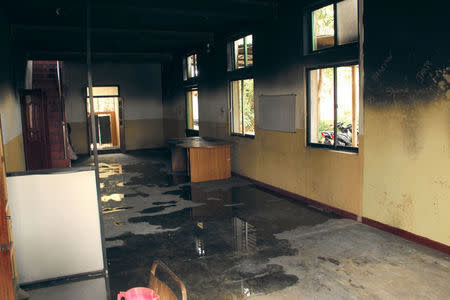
108, 210
107, 170
218, 237
112, 197
221, 247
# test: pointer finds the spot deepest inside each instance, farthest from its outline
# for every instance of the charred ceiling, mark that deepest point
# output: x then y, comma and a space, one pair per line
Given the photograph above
127, 29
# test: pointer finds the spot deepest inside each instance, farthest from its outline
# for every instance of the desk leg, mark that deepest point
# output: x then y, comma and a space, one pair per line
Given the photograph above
178, 159
188, 161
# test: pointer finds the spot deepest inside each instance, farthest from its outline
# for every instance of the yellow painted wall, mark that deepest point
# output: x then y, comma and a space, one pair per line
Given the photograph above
407, 167
14, 155
282, 160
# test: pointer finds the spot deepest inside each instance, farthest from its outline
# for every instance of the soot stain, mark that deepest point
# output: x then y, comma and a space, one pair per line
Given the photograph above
161, 203
144, 195
185, 192
153, 174
331, 260
172, 220
155, 209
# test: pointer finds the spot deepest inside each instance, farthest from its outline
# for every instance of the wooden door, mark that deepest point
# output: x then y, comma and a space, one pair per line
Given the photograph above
104, 125
35, 129
6, 270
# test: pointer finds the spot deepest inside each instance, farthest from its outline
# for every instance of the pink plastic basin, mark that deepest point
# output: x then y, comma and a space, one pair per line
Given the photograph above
138, 293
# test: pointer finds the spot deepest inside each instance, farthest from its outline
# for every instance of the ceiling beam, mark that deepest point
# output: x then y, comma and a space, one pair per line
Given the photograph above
80, 55
230, 12
15, 28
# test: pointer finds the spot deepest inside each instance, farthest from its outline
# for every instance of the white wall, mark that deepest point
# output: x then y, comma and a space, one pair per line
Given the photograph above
56, 225
140, 87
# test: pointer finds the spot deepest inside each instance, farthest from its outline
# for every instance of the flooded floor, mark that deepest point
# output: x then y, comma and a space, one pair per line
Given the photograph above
230, 240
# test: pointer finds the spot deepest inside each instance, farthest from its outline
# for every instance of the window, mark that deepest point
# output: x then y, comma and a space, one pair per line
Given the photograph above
333, 105
190, 67
242, 107
192, 110
333, 24
241, 53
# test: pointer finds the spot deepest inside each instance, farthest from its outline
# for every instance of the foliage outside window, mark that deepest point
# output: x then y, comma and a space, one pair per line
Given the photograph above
242, 107
190, 66
242, 53
334, 107
102, 104
192, 110
334, 24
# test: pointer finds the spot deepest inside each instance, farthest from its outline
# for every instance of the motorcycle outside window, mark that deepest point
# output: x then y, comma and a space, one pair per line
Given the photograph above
333, 120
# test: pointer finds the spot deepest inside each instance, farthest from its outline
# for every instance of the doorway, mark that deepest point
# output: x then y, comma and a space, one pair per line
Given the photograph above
108, 111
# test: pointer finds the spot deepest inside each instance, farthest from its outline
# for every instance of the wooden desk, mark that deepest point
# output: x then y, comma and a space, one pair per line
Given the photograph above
203, 158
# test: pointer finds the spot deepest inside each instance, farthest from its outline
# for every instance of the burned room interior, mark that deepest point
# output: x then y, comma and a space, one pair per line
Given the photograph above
228, 149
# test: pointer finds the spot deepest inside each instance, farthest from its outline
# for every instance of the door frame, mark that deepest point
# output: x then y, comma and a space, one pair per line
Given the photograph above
6, 264
121, 121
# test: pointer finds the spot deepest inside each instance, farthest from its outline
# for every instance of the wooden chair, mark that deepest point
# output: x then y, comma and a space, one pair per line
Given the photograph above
164, 292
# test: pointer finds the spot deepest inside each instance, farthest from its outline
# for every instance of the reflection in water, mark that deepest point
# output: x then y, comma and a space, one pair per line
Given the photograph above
106, 170
112, 197
108, 210
244, 236
200, 247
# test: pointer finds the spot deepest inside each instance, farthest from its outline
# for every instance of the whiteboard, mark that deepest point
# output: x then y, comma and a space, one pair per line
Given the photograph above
56, 225
277, 112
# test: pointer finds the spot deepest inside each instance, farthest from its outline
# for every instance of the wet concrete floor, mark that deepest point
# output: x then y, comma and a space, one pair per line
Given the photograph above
230, 240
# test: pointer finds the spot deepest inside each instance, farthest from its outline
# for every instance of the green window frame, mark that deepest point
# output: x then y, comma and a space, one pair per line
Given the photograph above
241, 53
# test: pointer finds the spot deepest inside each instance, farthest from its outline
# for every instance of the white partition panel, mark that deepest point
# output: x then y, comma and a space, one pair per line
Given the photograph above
277, 112
56, 224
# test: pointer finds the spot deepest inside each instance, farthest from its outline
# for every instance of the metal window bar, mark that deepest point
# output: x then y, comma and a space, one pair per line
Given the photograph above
245, 52
335, 26
335, 106
242, 106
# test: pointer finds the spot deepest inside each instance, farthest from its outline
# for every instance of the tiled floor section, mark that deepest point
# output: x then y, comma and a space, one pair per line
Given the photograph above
230, 240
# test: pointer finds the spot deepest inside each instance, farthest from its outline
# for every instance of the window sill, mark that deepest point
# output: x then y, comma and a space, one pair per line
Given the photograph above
191, 82
339, 149
243, 136
347, 52
242, 73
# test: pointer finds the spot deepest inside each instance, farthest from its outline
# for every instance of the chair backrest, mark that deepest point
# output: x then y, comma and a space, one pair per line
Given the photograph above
164, 292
